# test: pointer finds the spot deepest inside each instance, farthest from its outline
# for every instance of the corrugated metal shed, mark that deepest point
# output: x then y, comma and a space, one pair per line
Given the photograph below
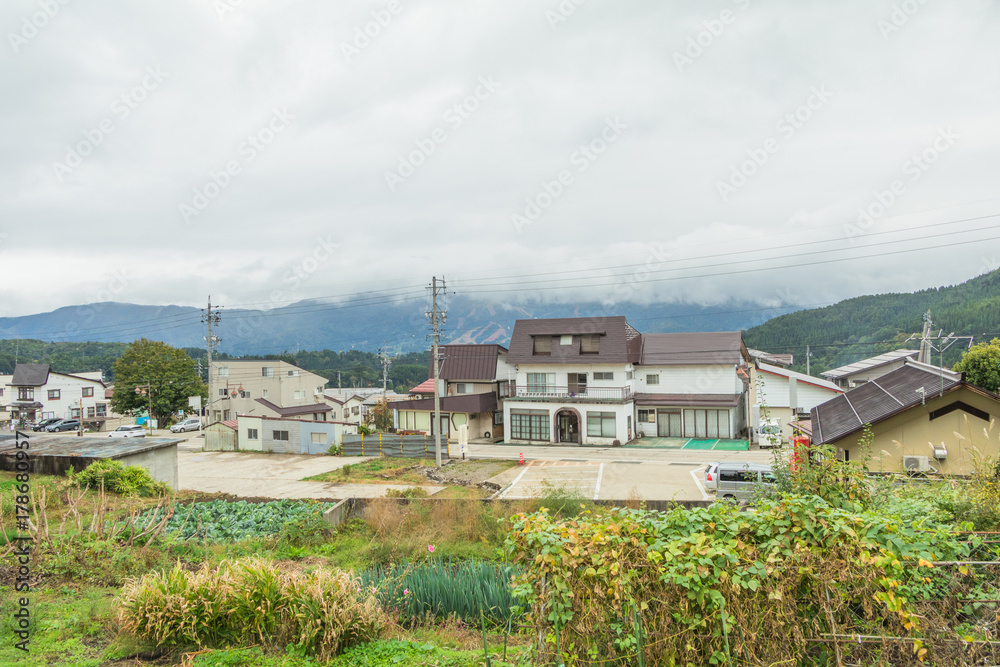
867, 364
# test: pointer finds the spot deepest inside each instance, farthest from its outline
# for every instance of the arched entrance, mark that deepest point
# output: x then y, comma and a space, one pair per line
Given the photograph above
568, 426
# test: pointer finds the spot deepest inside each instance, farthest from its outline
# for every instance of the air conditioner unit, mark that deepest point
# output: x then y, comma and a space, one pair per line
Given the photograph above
916, 464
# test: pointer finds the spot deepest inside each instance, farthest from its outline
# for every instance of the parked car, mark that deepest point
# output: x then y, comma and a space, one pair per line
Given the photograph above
190, 424
739, 480
64, 425
712, 476
40, 425
132, 431
769, 433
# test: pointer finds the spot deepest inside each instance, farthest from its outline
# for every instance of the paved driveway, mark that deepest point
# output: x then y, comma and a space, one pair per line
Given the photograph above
253, 475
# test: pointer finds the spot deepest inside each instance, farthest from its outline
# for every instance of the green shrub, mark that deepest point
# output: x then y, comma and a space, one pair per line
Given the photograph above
439, 589
412, 492
250, 602
118, 478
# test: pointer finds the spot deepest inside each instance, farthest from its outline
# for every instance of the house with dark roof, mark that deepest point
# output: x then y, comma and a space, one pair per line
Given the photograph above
475, 381
35, 392
787, 397
597, 380
859, 372
923, 419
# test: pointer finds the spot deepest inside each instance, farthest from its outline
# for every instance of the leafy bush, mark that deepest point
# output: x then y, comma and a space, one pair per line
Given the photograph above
689, 577
412, 492
250, 602
118, 478
439, 589
224, 521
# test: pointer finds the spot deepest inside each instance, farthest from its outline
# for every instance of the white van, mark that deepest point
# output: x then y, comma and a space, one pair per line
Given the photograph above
738, 481
769, 433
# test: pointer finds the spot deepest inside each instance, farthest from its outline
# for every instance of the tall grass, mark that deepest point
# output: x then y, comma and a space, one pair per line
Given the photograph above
442, 588
249, 602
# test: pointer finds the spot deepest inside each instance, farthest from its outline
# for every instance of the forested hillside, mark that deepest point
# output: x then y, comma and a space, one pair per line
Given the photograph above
868, 325
357, 369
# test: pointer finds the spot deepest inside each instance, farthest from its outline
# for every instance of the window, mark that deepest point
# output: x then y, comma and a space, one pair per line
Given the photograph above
529, 425
293, 374
566, 339
463, 388
252, 434
601, 424
577, 383
319, 416
25, 393
318, 438
244, 394
505, 389
543, 344
267, 371
604, 376
74, 413
541, 382
706, 423
1, 391
102, 409
90, 412
88, 392
590, 344
222, 392
53, 394
333, 414
280, 435
223, 371
653, 378
300, 393
628, 375
498, 418
644, 416
355, 410
265, 393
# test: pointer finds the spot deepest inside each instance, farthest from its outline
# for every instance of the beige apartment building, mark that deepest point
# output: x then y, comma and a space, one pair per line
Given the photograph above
256, 387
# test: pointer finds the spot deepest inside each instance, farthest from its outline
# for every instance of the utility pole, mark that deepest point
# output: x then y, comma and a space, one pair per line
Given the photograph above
339, 387
386, 363
210, 317
437, 320
925, 343
808, 354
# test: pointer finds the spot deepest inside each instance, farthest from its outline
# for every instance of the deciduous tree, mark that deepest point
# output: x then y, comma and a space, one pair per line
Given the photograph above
167, 372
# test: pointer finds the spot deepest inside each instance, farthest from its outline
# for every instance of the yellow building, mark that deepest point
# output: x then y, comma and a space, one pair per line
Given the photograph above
923, 419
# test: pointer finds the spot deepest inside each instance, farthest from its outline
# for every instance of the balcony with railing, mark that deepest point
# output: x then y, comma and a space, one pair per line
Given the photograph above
571, 393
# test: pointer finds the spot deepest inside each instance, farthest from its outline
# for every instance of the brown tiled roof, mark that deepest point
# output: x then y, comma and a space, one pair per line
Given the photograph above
879, 399
425, 387
689, 400
471, 403
675, 349
619, 341
468, 362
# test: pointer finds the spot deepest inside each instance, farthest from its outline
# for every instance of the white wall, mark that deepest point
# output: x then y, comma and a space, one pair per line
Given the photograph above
700, 379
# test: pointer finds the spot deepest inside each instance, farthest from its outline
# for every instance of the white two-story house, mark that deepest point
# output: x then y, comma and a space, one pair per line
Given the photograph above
271, 388
36, 392
598, 380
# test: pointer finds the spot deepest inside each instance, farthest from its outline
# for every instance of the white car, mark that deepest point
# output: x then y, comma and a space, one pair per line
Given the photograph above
134, 431
712, 477
769, 434
192, 424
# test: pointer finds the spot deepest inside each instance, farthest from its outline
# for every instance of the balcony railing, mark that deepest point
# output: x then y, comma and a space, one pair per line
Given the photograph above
547, 392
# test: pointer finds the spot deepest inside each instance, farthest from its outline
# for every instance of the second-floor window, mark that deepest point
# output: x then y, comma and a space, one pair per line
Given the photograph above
463, 388
88, 392
653, 378
223, 371
53, 394
541, 382
265, 393
604, 376
542, 344
300, 393
355, 410
590, 344
267, 371
25, 393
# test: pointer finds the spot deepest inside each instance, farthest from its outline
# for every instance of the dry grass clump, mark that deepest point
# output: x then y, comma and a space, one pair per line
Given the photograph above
250, 602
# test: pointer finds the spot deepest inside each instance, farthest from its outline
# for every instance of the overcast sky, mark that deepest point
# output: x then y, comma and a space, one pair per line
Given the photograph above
267, 151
